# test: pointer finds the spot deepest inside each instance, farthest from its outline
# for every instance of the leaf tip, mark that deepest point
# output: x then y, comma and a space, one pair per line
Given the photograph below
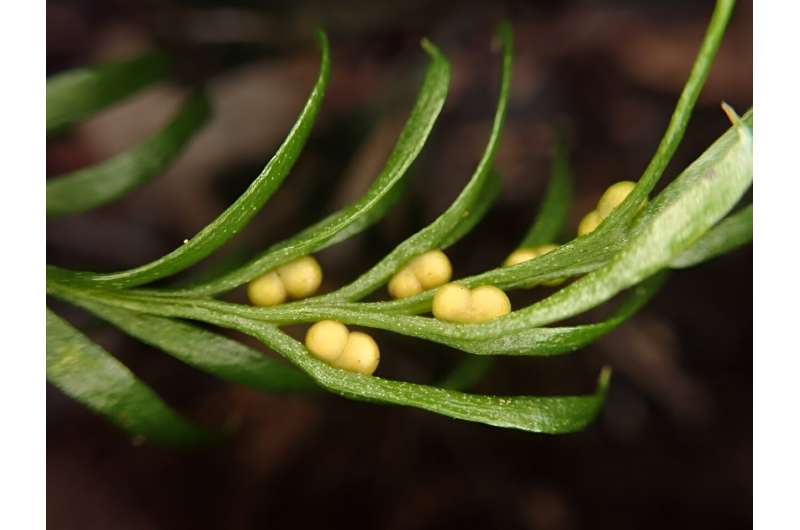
503, 36
427, 45
320, 36
604, 380
199, 102
742, 128
730, 113
322, 41
430, 48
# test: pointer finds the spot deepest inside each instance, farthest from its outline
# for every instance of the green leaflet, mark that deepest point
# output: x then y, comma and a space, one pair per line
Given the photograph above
371, 215
88, 374
679, 121
205, 350
227, 262
467, 373
76, 94
102, 183
446, 226
328, 231
489, 191
548, 415
233, 219
733, 231
552, 216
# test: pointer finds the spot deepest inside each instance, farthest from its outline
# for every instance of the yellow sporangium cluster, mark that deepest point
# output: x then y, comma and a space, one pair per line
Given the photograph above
528, 253
589, 223
297, 279
456, 303
424, 272
611, 198
330, 341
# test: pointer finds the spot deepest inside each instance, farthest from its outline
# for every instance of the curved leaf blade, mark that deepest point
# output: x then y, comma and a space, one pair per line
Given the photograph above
467, 373
552, 216
546, 415
207, 351
473, 215
100, 184
87, 373
732, 232
236, 216
679, 120
371, 215
76, 94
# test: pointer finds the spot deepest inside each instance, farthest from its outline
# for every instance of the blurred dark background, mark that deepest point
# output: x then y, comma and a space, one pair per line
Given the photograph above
673, 447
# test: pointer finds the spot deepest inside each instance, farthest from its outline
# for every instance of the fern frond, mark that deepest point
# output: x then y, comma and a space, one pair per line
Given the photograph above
630, 252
